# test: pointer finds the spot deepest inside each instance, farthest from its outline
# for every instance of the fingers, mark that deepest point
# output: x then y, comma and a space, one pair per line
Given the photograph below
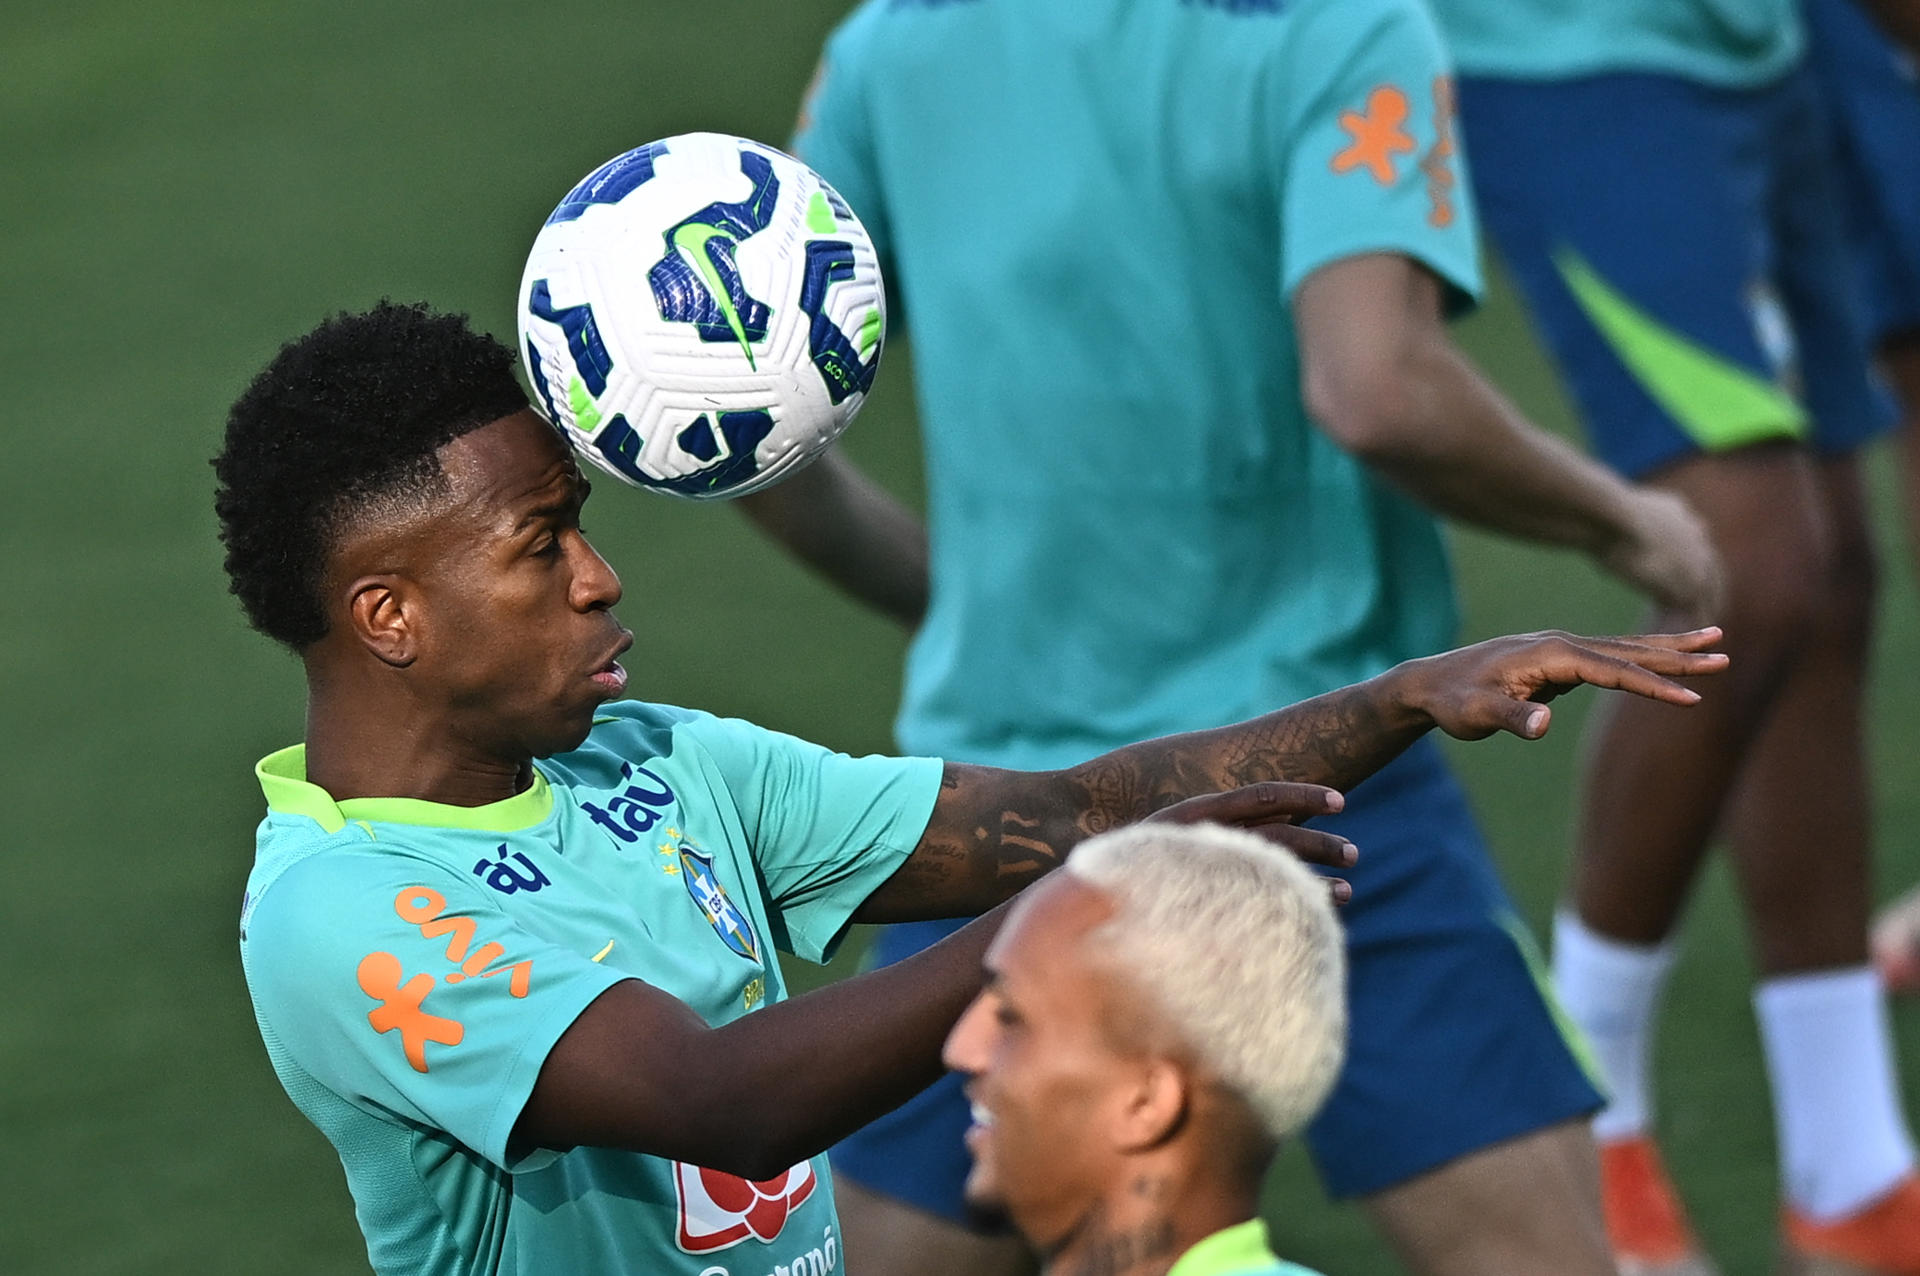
1641, 670
1254, 805
1693, 640
1311, 845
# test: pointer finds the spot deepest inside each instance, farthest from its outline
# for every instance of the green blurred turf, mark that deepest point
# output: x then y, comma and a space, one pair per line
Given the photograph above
184, 187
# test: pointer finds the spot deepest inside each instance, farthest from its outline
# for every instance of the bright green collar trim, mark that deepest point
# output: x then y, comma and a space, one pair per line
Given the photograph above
1240, 1248
283, 778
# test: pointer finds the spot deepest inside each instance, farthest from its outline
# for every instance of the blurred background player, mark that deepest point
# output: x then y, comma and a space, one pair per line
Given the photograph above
1873, 97
1657, 175
1156, 1019
1175, 277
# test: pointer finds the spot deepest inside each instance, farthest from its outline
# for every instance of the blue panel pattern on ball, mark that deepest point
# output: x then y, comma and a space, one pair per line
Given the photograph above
612, 182
833, 353
684, 296
537, 373
621, 445
589, 352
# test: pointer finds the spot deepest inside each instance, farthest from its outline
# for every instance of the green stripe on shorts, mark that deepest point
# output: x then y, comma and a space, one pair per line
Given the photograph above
1577, 1043
1719, 404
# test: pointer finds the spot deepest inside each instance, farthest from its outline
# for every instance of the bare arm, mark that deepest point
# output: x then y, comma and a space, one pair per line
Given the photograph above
640, 1070
993, 832
849, 529
1383, 378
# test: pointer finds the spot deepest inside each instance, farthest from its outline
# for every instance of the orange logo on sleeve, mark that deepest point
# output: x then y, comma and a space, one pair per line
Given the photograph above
401, 1008
1377, 135
1438, 163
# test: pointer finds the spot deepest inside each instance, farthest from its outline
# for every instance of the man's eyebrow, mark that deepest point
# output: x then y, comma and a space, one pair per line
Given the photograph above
569, 502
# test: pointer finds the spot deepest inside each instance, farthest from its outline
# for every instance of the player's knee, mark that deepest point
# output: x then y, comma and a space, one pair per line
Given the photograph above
1778, 602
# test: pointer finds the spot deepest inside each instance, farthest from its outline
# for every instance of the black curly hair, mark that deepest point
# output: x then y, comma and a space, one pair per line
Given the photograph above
345, 419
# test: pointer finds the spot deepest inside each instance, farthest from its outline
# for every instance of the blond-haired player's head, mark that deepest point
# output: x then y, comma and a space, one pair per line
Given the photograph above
1157, 1017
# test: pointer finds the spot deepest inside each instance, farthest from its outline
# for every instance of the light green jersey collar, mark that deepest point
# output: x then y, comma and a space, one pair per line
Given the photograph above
283, 779
1240, 1248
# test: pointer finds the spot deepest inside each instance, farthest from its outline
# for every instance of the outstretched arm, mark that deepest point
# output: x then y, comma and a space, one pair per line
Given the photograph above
994, 831
640, 1070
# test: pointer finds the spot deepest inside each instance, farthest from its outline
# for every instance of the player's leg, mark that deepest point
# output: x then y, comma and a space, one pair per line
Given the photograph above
1524, 1206
1459, 1120
1847, 1155
1875, 110
1644, 250
1846, 1151
1656, 783
1896, 930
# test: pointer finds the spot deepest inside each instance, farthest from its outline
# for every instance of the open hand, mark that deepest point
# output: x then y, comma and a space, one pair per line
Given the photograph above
1272, 809
1504, 684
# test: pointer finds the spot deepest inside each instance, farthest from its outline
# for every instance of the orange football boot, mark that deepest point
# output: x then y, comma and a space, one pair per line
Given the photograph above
1881, 1240
1646, 1224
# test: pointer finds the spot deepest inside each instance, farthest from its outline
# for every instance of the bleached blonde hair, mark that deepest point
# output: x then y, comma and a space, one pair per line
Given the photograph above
1235, 943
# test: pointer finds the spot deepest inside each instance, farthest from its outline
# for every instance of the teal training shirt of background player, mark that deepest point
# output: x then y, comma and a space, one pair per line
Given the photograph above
411, 964
1096, 214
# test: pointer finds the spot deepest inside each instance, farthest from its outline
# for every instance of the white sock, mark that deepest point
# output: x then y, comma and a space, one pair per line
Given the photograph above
1844, 1141
1611, 990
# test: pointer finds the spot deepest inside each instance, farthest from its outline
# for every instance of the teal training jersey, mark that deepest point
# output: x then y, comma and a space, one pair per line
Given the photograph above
1094, 213
1730, 43
1240, 1250
411, 965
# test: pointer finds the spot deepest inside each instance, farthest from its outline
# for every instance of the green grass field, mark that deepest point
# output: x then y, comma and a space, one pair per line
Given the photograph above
187, 186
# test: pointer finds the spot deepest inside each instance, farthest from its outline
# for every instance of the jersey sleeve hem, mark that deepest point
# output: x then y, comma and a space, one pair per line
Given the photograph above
818, 934
516, 1087
1461, 282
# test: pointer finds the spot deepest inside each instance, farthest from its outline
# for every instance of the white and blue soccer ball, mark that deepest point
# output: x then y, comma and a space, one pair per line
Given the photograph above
702, 315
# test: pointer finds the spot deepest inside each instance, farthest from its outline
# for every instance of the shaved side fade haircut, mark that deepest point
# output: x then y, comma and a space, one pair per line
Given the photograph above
345, 420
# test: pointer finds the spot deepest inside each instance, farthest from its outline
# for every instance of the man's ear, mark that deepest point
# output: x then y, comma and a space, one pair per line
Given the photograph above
1156, 1108
384, 611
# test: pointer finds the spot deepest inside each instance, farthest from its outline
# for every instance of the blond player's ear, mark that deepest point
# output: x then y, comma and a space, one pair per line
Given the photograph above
1155, 1108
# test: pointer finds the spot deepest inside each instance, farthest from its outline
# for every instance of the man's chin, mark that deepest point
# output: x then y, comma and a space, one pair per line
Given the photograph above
981, 1194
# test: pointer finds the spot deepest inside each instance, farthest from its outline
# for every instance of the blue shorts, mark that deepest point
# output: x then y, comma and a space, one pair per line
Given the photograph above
1682, 250
1454, 1043
1873, 109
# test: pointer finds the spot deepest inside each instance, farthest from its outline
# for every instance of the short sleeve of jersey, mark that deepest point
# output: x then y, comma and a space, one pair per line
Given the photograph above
411, 995
1367, 150
834, 137
825, 829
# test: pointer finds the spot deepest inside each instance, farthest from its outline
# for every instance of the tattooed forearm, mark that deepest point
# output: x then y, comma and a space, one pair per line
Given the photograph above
992, 832
1337, 740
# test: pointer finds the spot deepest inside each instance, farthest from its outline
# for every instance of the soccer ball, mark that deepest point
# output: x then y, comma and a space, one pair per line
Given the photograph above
702, 315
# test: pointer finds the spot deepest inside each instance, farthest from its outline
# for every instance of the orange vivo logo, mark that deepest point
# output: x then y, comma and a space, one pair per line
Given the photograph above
1378, 135
401, 1008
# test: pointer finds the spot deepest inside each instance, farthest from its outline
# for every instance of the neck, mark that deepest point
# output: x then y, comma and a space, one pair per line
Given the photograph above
353, 755
1145, 1222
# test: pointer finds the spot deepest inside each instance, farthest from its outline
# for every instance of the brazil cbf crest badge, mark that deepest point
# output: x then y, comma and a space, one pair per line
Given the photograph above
728, 922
